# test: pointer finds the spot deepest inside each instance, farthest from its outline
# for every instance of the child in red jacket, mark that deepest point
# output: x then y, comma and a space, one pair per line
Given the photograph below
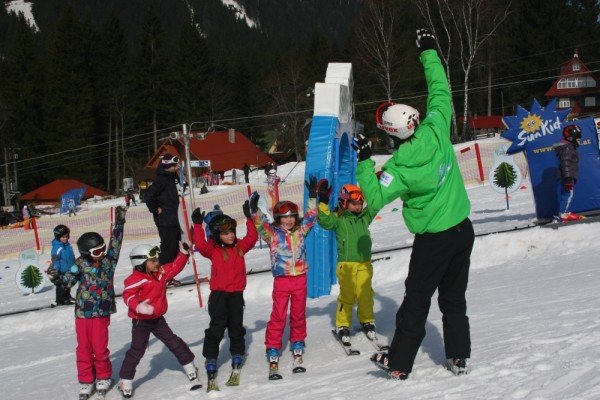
227, 284
145, 294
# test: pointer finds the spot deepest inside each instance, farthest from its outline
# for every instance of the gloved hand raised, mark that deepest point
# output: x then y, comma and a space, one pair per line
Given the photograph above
145, 308
246, 209
363, 147
184, 247
198, 216
425, 40
323, 191
311, 185
253, 203
120, 213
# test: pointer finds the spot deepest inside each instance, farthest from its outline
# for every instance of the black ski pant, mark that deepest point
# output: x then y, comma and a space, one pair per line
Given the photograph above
169, 243
226, 311
438, 261
140, 334
63, 294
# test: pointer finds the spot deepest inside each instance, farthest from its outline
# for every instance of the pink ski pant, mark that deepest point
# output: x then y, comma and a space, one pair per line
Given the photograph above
286, 290
92, 349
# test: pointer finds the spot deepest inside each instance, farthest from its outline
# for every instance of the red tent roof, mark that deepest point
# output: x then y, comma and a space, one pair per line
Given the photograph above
53, 190
216, 147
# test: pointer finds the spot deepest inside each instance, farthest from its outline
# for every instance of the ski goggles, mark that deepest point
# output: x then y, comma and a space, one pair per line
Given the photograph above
99, 251
152, 253
287, 209
356, 196
174, 160
227, 226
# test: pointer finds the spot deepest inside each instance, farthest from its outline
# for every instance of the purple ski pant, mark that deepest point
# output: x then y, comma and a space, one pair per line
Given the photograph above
140, 334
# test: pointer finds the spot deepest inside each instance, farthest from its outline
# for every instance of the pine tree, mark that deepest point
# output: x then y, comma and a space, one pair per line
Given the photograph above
504, 177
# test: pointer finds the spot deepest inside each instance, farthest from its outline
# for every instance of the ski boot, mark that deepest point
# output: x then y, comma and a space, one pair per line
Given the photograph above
211, 372
369, 330
273, 359
237, 361
298, 351
102, 386
191, 371
458, 366
125, 386
381, 360
86, 390
343, 333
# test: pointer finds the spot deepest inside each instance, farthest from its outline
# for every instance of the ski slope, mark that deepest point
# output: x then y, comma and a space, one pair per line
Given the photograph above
532, 302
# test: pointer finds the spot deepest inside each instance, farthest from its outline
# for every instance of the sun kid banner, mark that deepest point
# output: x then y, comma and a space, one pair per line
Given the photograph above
535, 132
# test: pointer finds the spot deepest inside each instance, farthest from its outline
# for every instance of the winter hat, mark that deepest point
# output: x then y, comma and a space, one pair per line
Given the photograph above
210, 215
169, 160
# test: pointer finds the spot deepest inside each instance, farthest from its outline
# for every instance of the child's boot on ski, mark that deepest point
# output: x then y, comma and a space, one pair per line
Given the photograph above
273, 359
298, 348
102, 386
369, 329
343, 333
211, 372
237, 361
191, 371
381, 360
125, 386
298, 351
85, 391
458, 366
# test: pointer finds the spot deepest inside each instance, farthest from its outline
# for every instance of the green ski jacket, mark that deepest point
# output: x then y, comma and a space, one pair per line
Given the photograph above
423, 172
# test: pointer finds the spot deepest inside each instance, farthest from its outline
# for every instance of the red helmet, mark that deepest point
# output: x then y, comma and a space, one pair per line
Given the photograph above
349, 192
571, 132
283, 208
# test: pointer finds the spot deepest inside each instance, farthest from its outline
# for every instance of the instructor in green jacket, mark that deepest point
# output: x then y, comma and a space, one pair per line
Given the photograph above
424, 173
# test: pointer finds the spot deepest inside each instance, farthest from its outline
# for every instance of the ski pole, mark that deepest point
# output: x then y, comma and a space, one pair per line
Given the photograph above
187, 229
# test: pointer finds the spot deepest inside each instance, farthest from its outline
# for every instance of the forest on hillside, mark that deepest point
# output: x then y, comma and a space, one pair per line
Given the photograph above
90, 94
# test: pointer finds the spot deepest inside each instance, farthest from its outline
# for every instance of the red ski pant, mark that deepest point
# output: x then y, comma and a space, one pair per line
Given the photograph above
92, 349
287, 290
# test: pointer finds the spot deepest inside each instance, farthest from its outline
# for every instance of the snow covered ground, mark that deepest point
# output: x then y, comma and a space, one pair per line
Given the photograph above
532, 299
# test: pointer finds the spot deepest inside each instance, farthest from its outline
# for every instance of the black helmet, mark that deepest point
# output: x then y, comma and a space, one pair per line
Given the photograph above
221, 223
91, 241
60, 231
572, 133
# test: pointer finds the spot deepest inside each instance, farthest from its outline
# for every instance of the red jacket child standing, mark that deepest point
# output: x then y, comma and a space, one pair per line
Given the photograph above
227, 284
145, 294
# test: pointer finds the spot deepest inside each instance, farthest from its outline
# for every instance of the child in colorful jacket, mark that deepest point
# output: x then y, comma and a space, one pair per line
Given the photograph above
227, 283
145, 295
94, 271
350, 221
285, 238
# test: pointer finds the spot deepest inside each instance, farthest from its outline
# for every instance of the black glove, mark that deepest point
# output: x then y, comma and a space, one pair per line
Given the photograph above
253, 203
184, 247
198, 216
52, 273
120, 213
246, 208
311, 185
323, 191
425, 40
362, 146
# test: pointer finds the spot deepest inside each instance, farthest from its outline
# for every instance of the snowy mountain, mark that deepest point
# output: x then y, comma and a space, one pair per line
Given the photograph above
532, 302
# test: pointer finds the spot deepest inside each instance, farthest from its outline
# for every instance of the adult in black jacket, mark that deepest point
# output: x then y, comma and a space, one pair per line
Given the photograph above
162, 200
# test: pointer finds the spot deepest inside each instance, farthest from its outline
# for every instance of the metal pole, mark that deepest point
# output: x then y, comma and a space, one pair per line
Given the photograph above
6, 180
188, 168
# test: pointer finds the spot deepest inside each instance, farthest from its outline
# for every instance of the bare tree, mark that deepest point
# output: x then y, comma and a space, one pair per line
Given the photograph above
380, 49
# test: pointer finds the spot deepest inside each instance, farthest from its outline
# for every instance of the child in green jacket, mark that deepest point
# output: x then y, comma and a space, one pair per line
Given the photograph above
350, 221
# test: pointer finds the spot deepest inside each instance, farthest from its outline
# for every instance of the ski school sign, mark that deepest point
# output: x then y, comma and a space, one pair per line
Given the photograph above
535, 132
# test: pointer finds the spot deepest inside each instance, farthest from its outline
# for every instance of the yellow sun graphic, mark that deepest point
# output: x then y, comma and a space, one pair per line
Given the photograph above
531, 123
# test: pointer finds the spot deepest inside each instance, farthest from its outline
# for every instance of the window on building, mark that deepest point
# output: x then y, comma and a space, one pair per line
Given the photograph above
564, 103
561, 84
576, 66
590, 82
590, 102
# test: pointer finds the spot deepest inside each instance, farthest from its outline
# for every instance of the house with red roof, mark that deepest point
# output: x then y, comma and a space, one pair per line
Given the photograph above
483, 126
50, 193
576, 88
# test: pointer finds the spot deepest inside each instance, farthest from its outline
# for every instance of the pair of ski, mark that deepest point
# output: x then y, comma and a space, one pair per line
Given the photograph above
350, 351
297, 366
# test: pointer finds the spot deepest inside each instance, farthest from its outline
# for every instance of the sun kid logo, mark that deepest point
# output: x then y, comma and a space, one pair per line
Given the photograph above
532, 128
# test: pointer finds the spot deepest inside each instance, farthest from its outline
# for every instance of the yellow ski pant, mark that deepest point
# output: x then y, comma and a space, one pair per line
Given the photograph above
355, 284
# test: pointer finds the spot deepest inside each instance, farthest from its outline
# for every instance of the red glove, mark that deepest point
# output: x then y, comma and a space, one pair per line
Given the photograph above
568, 185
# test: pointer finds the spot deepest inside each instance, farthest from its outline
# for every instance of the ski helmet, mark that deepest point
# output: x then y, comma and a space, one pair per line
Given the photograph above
221, 223
284, 208
91, 244
399, 120
571, 133
349, 192
142, 252
60, 231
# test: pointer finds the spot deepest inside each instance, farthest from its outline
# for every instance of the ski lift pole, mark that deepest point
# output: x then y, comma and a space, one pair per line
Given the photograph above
288, 174
187, 229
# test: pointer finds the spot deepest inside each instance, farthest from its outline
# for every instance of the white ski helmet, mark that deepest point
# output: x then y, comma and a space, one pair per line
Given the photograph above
142, 252
397, 120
